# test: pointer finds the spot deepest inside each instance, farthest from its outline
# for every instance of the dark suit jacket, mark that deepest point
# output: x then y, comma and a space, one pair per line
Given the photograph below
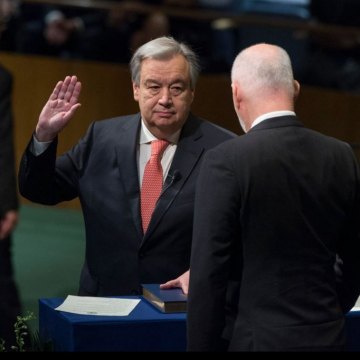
8, 188
284, 200
10, 303
102, 170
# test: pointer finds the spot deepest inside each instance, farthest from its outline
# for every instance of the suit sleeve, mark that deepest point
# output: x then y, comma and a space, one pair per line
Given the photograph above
8, 188
349, 248
217, 206
48, 179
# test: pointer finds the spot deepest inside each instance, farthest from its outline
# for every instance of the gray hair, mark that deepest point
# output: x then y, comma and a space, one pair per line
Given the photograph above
164, 48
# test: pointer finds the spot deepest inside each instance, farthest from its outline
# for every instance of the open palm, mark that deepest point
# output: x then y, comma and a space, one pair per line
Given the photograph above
59, 109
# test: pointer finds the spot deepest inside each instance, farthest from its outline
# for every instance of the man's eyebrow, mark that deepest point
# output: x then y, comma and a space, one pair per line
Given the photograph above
148, 81
181, 81
175, 81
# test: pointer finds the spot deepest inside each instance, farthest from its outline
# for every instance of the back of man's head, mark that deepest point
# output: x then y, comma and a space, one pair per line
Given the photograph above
263, 68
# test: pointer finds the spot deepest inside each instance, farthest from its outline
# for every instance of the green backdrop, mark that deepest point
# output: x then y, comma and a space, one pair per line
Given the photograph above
48, 252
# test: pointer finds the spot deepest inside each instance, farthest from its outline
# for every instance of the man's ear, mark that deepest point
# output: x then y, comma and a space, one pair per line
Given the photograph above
296, 89
136, 91
236, 94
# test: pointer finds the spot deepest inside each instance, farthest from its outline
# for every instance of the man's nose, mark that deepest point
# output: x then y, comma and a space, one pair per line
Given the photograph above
165, 96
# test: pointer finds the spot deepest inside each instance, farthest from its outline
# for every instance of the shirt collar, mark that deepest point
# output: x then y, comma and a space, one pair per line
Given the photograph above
272, 114
146, 136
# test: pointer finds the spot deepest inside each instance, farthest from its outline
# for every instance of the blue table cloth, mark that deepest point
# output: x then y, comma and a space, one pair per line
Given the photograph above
145, 329
353, 331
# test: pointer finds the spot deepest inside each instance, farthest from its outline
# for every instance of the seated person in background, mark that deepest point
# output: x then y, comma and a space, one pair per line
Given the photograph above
61, 32
335, 55
154, 25
10, 25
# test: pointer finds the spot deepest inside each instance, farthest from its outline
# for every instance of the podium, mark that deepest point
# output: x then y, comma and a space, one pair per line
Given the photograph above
145, 329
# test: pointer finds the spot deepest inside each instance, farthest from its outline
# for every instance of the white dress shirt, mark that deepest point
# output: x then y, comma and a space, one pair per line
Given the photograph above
270, 115
144, 150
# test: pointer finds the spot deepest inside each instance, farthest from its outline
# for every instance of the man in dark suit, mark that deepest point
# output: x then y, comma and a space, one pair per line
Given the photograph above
105, 170
272, 210
9, 300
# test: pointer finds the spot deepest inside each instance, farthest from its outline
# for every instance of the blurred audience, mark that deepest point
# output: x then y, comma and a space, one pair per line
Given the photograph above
323, 59
155, 25
61, 32
10, 24
334, 55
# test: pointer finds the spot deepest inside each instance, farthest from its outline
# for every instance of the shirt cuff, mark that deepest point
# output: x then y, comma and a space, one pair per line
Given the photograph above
38, 147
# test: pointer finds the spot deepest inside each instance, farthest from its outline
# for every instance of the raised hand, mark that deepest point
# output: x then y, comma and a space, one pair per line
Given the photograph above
59, 109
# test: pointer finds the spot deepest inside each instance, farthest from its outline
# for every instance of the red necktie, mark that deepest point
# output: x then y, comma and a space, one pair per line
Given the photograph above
152, 181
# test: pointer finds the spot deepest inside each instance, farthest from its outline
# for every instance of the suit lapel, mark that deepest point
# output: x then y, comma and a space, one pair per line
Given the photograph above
127, 165
187, 155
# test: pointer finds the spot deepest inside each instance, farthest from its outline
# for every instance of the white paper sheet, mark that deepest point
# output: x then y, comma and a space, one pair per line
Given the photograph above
86, 305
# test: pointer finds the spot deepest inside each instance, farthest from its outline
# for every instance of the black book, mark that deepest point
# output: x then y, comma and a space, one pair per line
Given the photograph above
167, 301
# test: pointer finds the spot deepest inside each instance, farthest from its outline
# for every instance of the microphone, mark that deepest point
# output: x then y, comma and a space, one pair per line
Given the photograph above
174, 177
